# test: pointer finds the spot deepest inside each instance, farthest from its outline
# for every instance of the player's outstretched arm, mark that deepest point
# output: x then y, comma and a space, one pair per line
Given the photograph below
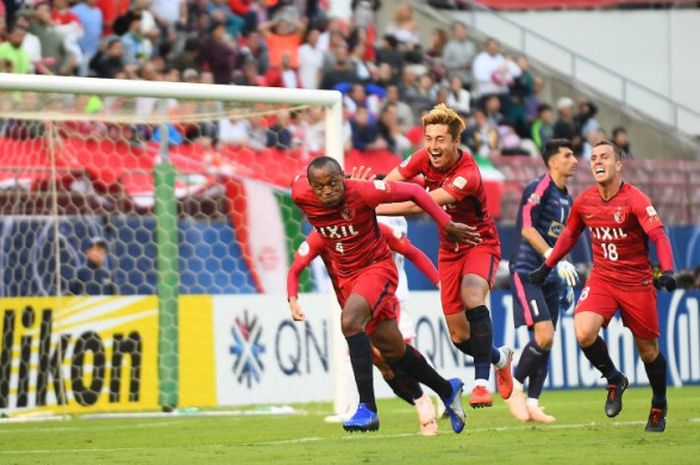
457, 232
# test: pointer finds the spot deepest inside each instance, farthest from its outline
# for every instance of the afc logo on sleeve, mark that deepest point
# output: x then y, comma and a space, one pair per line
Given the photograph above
651, 211
405, 162
459, 182
304, 249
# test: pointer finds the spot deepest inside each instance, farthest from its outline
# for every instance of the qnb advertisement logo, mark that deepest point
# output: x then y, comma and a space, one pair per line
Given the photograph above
683, 338
247, 349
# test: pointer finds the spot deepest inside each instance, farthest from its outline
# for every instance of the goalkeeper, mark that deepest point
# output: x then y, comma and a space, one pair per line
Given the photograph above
544, 207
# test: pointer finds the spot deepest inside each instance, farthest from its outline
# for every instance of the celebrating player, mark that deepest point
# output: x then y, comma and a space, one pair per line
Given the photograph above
467, 270
544, 207
403, 385
621, 219
342, 211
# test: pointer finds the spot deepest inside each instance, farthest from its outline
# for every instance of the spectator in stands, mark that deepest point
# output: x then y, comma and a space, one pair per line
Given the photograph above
219, 55
458, 97
342, 71
284, 75
565, 127
492, 108
542, 129
619, 138
492, 73
459, 53
32, 46
90, 17
585, 118
424, 96
13, 58
255, 47
359, 97
481, 136
53, 51
365, 133
404, 113
279, 135
521, 90
250, 75
244, 10
109, 59
405, 29
68, 26
364, 69
310, 60
93, 278
284, 36
389, 53
391, 131
593, 136
137, 48
432, 58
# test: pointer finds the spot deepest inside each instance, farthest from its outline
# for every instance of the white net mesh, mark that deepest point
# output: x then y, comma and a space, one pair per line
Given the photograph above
80, 218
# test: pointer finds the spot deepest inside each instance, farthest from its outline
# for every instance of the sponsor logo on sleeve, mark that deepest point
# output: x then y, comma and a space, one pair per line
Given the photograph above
534, 198
304, 249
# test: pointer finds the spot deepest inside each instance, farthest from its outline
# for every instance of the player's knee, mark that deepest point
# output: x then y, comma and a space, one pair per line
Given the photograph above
545, 341
585, 337
351, 325
648, 352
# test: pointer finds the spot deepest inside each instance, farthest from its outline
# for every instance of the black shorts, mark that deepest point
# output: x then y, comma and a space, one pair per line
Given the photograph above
532, 303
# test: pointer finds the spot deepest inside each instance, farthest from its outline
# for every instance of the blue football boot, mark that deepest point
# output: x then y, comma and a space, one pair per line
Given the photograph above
453, 406
363, 420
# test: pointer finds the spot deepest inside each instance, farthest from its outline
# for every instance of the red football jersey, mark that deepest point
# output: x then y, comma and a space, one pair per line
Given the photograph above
350, 231
463, 181
618, 229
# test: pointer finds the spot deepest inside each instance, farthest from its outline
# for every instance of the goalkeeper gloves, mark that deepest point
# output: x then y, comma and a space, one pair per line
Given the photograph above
667, 281
568, 272
540, 274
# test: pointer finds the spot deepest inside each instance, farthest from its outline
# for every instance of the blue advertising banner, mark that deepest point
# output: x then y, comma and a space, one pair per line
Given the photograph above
679, 316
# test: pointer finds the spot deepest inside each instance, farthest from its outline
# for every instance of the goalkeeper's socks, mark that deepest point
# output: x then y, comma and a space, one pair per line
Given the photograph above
361, 360
537, 379
597, 354
529, 361
405, 386
481, 338
656, 372
415, 365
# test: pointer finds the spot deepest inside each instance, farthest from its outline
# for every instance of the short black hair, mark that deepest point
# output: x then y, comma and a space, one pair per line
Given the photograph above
323, 162
552, 146
543, 107
617, 130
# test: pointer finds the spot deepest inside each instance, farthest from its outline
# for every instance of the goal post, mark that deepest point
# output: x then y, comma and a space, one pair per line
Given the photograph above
54, 128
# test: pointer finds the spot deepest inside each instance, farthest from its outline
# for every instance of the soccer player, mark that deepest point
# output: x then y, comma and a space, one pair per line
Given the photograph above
342, 211
620, 219
467, 270
404, 386
544, 207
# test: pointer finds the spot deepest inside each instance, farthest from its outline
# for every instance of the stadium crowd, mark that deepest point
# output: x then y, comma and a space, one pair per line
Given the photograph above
389, 78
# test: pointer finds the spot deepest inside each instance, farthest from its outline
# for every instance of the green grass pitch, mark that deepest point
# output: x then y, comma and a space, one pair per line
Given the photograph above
582, 434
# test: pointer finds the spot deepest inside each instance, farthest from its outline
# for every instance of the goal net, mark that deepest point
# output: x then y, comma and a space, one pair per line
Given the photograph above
146, 229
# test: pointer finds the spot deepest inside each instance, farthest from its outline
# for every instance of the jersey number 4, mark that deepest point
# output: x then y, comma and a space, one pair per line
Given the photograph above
609, 251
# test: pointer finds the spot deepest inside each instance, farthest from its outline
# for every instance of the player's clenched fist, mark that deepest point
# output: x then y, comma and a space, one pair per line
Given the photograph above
667, 281
296, 310
462, 233
540, 274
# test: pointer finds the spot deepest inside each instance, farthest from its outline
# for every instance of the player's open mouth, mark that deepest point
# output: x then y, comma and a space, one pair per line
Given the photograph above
435, 155
599, 171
